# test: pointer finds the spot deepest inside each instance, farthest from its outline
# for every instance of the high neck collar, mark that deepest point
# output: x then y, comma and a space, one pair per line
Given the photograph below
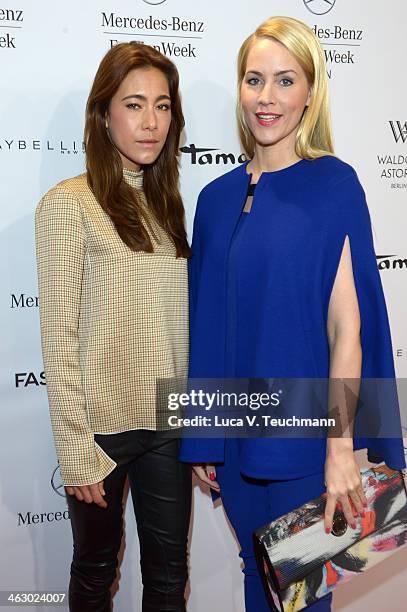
134, 178
288, 169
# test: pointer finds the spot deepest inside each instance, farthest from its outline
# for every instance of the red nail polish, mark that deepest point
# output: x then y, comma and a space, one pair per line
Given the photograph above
362, 514
353, 525
327, 530
212, 476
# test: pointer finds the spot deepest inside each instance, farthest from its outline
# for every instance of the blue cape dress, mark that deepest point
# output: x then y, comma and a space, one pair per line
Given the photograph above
259, 296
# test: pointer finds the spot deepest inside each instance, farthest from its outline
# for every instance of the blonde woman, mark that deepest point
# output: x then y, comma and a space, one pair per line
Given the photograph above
284, 283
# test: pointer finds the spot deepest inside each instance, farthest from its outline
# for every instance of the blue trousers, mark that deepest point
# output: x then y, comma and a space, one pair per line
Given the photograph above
250, 503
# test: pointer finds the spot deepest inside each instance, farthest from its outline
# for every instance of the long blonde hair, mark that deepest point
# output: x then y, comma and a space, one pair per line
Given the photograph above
314, 134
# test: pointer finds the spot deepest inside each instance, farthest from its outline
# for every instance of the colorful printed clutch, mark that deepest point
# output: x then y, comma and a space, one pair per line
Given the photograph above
300, 563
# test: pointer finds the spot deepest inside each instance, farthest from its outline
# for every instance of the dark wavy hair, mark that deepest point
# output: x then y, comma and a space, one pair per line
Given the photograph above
103, 163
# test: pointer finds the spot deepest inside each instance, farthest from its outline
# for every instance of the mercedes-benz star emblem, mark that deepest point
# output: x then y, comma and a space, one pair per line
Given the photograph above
154, 1
319, 7
56, 482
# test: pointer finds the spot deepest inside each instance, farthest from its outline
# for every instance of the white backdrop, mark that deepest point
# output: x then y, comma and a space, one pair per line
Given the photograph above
49, 52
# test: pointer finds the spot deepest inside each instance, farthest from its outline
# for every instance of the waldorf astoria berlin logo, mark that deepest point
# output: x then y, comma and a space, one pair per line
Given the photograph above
319, 7
392, 164
399, 130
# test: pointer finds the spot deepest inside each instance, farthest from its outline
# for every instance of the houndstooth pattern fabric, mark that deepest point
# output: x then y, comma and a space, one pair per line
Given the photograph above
114, 322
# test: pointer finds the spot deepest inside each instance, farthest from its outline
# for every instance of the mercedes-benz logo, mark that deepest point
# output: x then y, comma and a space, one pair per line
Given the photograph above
319, 7
154, 1
56, 482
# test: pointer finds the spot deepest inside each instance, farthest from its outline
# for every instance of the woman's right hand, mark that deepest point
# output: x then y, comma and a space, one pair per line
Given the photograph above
207, 473
89, 493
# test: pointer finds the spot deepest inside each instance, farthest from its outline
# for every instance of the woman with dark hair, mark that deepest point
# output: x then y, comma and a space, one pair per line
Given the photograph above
112, 268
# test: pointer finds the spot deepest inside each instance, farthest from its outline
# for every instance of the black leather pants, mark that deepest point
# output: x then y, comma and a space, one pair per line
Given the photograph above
161, 494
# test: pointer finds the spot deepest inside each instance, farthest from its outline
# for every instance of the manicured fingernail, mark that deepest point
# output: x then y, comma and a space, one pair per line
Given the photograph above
327, 530
365, 504
212, 476
353, 525
362, 514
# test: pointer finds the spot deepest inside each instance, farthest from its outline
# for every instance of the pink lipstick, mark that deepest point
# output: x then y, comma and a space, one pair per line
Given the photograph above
267, 119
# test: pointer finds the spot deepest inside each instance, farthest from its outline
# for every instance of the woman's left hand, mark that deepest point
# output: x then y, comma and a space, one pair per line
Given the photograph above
343, 485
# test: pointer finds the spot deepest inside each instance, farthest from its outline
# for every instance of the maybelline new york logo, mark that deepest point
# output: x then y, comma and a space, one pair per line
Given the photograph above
64, 147
319, 7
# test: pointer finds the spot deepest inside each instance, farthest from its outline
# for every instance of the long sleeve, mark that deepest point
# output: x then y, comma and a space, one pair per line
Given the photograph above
60, 245
197, 449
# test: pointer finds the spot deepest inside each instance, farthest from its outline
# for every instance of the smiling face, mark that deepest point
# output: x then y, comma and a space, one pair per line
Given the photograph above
273, 93
139, 117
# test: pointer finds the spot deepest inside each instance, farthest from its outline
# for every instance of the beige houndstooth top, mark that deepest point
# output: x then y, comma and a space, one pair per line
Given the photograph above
113, 322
